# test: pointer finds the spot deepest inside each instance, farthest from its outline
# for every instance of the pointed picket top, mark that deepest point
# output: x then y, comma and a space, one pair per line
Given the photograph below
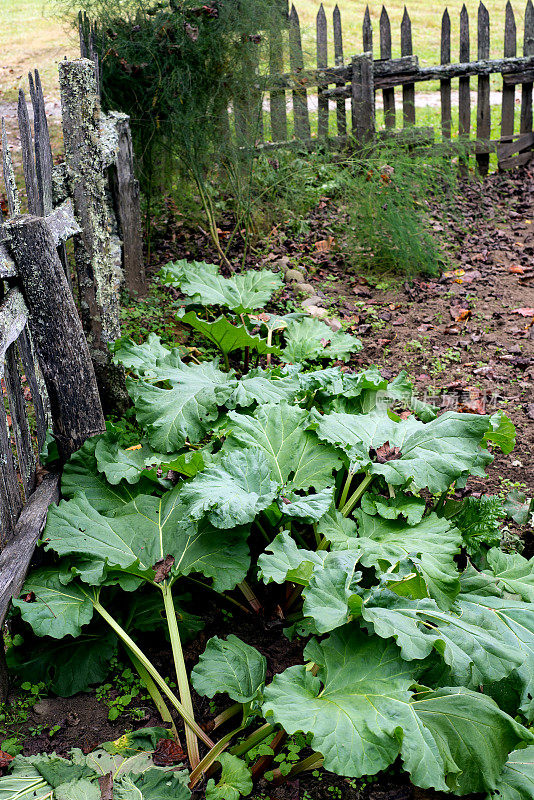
28, 156
510, 32
322, 40
446, 37
293, 16
385, 34
464, 35
483, 32
12, 192
529, 29
367, 32
406, 34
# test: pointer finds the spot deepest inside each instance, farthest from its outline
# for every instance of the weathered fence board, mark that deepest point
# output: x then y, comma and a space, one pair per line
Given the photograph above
483, 93
390, 73
385, 54
341, 112
408, 90
445, 84
296, 63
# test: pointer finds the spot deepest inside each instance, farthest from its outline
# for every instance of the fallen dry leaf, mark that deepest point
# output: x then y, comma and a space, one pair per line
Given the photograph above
167, 752
325, 245
516, 269
525, 312
162, 568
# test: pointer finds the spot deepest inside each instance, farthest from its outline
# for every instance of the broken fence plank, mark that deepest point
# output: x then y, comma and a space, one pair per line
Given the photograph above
385, 54
508, 91
341, 111
408, 90
483, 90
445, 85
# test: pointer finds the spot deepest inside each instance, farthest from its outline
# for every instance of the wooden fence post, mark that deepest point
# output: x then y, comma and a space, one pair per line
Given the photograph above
408, 91
385, 53
57, 334
129, 211
363, 99
526, 89
341, 111
445, 86
508, 92
98, 272
483, 93
301, 116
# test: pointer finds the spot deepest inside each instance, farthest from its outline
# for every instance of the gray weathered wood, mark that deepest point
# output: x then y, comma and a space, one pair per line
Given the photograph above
62, 222
445, 85
16, 556
10, 184
98, 276
57, 334
28, 156
10, 496
464, 111
296, 63
508, 91
7, 265
408, 90
367, 32
13, 320
278, 96
341, 112
322, 64
526, 88
129, 212
363, 99
483, 93
37, 387
19, 420
385, 53
43, 149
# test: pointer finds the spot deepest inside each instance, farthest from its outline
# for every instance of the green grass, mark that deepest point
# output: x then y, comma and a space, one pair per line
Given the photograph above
426, 25
30, 37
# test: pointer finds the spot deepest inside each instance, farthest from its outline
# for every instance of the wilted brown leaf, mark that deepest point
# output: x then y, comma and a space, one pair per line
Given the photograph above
162, 568
167, 752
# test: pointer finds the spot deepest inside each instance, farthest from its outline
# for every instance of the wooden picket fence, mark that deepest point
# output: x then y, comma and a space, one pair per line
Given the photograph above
55, 364
359, 78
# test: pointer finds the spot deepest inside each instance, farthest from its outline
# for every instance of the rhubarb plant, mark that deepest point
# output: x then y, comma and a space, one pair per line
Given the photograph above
413, 619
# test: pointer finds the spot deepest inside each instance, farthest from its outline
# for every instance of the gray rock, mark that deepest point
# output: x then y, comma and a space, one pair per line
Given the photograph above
294, 276
313, 301
304, 288
316, 311
333, 324
42, 707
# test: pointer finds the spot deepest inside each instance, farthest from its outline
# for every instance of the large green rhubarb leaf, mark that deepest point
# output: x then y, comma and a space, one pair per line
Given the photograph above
143, 533
131, 464
235, 780
428, 455
143, 359
310, 340
53, 609
361, 714
468, 639
330, 599
296, 456
81, 475
184, 412
226, 336
233, 490
263, 386
230, 667
513, 622
241, 293
431, 545
284, 561
513, 572
517, 779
